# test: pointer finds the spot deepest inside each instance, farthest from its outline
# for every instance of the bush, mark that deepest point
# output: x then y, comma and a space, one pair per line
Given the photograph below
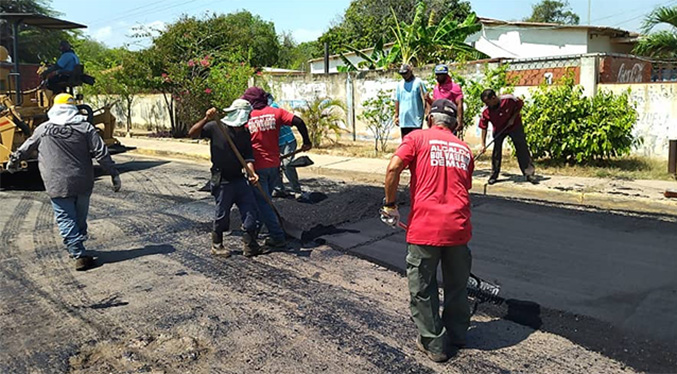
378, 113
323, 117
563, 125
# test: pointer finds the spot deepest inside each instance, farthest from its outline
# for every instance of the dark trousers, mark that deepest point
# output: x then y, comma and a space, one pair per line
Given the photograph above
422, 262
240, 193
57, 82
519, 140
406, 130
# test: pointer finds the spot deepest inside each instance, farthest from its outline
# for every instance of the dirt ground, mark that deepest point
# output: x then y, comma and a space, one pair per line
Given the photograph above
158, 302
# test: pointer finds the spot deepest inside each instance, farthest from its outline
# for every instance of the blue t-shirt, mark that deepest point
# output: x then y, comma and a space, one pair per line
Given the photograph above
286, 135
410, 96
67, 62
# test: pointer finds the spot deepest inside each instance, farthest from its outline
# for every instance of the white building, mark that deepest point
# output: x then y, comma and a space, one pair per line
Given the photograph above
503, 39
516, 40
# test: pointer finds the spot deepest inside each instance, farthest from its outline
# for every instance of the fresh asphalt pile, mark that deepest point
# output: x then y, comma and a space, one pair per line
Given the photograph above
158, 302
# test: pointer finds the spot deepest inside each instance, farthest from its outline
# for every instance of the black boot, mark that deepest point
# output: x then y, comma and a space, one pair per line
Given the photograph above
251, 247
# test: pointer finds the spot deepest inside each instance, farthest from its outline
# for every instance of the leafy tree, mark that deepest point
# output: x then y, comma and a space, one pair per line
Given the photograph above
378, 113
661, 44
323, 117
565, 126
423, 41
366, 21
295, 56
553, 11
35, 44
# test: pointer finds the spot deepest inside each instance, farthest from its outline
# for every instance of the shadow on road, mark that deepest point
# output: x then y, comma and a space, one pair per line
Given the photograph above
110, 257
496, 334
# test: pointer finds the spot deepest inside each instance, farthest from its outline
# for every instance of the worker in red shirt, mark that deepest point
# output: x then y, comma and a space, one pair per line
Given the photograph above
264, 125
447, 89
439, 229
504, 114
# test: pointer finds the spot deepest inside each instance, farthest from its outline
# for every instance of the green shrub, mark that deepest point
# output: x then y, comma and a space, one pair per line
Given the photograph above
378, 114
323, 117
563, 125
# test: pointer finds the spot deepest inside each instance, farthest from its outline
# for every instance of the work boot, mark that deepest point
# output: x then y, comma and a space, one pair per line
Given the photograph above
492, 180
220, 250
531, 178
83, 263
217, 245
437, 357
275, 243
251, 246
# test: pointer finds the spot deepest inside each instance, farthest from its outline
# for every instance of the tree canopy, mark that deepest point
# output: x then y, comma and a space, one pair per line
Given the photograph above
553, 11
366, 21
663, 43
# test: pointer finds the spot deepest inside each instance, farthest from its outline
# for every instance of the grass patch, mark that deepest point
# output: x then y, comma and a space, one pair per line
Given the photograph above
354, 149
622, 168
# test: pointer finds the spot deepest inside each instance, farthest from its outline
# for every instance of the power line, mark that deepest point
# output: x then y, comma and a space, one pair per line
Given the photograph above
636, 17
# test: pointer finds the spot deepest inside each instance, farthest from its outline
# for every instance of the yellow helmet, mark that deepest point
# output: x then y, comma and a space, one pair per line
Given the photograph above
64, 98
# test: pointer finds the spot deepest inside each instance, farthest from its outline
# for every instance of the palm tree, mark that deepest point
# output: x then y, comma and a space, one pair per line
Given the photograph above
661, 44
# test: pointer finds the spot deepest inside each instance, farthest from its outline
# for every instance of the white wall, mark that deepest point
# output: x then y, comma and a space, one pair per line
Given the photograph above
519, 42
656, 104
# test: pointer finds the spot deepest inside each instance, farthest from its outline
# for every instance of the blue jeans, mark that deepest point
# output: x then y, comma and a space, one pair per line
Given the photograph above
71, 217
235, 192
268, 178
289, 171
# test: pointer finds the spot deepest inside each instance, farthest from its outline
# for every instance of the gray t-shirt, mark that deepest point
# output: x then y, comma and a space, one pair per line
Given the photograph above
65, 157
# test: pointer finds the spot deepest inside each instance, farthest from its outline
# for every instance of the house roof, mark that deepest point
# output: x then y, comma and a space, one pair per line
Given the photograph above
365, 51
610, 31
38, 20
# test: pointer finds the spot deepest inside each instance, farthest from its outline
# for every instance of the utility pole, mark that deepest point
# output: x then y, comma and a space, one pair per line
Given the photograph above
589, 7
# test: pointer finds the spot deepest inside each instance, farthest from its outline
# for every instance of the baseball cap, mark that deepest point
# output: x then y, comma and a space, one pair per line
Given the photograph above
64, 98
441, 69
237, 114
405, 68
444, 106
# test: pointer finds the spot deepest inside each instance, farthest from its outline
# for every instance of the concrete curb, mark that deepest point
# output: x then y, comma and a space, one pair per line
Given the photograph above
594, 200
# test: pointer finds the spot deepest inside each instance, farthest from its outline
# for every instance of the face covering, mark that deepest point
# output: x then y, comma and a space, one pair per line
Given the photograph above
441, 79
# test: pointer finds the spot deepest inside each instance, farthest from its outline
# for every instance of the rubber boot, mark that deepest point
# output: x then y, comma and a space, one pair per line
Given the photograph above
251, 247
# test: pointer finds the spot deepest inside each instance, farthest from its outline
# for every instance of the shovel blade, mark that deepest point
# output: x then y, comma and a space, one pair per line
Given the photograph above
291, 229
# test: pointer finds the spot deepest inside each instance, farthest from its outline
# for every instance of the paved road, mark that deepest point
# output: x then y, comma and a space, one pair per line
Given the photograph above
160, 302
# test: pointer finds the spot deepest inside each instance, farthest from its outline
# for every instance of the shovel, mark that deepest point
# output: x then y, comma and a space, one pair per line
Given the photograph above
288, 228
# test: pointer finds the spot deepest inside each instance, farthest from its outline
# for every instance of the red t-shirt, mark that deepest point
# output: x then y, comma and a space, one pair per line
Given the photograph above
264, 126
441, 168
509, 104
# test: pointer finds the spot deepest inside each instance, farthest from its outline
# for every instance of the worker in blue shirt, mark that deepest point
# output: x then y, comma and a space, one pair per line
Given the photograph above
63, 68
288, 145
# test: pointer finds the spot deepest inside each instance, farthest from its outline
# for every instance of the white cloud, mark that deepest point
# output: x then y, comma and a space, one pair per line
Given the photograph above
103, 33
305, 35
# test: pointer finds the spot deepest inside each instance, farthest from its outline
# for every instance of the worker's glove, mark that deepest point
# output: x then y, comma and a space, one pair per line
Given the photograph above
117, 182
13, 163
390, 216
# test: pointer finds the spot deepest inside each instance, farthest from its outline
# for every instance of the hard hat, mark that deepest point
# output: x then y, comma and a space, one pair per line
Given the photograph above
64, 98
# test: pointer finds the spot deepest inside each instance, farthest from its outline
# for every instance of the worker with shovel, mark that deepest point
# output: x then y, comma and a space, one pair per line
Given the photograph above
264, 125
504, 114
228, 183
439, 229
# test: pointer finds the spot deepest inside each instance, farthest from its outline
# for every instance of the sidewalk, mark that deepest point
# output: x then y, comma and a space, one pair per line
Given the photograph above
641, 196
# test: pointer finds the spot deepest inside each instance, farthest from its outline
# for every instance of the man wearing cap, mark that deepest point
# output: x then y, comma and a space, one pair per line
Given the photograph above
65, 145
264, 125
439, 228
504, 113
64, 67
411, 98
447, 89
228, 183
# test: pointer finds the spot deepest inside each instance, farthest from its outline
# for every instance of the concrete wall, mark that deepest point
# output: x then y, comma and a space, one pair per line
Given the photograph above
656, 104
149, 111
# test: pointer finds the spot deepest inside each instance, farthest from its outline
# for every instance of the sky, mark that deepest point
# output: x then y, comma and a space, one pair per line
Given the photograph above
112, 22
